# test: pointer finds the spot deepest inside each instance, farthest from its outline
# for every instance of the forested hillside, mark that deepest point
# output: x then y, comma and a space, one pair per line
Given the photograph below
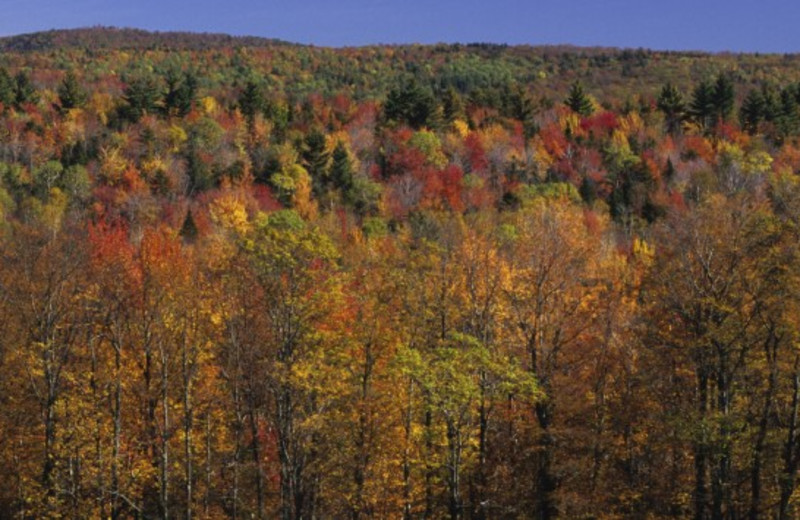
242, 278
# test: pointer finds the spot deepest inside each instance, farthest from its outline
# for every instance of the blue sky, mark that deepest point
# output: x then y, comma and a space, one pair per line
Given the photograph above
713, 25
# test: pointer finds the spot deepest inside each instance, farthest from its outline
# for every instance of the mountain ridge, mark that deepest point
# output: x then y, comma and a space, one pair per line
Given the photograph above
122, 38
125, 38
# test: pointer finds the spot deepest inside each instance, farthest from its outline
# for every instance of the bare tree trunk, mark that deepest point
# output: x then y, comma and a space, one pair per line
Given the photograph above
362, 450
770, 347
207, 497
117, 419
429, 471
407, 511
188, 419
701, 452
255, 448
791, 456
454, 469
164, 491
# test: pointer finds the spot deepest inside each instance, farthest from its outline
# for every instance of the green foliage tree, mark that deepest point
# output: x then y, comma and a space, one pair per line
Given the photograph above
341, 172
252, 101
520, 106
142, 95
452, 105
7, 94
788, 118
713, 103
181, 93
670, 102
724, 97
24, 90
189, 228
752, 111
702, 107
70, 92
412, 105
315, 160
578, 101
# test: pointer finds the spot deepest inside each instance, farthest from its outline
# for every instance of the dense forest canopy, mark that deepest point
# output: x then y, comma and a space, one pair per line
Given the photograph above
242, 278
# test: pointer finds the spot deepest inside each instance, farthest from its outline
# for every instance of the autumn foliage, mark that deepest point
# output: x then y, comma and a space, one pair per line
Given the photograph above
245, 279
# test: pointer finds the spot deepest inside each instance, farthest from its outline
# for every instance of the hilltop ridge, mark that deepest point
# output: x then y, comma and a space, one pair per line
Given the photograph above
119, 38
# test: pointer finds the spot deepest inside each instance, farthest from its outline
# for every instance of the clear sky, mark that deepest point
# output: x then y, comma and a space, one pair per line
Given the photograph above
712, 25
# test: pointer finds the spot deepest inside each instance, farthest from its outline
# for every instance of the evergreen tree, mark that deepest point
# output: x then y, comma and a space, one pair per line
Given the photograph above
723, 98
252, 101
702, 107
341, 173
24, 91
452, 105
772, 106
787, 121
578, 101
519, 105
142, 96
181, 93
189, 228
588, 191
70, 92
671, 103
751, 114
412, 105
669, 171
315, 160
7, 88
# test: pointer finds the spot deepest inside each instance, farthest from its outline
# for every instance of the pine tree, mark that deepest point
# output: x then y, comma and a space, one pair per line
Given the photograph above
752, 111
341, 172
142, 95
588, 191
578, 101
70, 93
412, 105
723, 98
315, 160
252, 101
669, 171
24, 91
787, 121
181, 93
7, 87
189, 228
702, 107
452, 105
670, 102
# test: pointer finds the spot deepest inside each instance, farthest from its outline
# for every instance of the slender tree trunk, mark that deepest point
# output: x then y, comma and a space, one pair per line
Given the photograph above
48, 465
407, 425
479, 505
286, 455
790, 452
763, 427
256, 452
429, 471
164, 491
117, 419
362, 451
207, 496
454, 469
700, 451
188, 419
99, 498
546, 485
237, 450
720, 485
